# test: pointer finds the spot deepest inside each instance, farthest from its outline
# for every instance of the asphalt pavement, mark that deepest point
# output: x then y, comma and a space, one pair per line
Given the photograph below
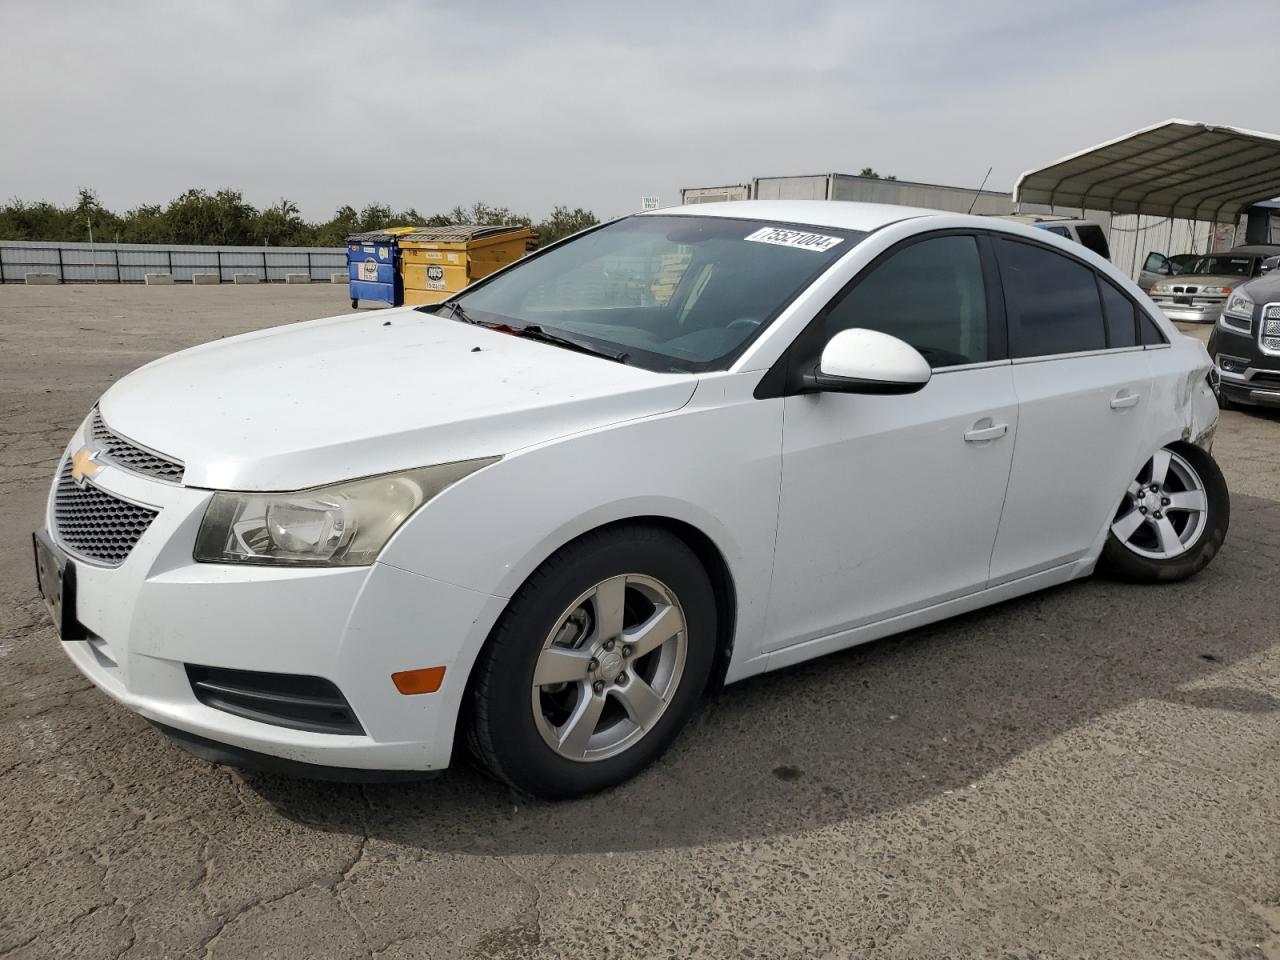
1088, 772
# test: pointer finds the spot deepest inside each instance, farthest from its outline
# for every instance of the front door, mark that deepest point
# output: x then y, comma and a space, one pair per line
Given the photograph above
892, 503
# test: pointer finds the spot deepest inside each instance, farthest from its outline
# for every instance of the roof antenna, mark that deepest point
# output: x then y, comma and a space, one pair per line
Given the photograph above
977, 193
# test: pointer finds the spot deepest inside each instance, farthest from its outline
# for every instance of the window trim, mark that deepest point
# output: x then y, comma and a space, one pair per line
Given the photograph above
783, 378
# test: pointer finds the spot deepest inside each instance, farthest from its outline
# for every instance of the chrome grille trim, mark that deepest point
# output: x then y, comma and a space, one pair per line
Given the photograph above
1269, 329
95, 525
127, 455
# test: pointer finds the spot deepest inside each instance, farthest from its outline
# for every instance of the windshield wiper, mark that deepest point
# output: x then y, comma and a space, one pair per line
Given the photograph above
534, 332
458, 312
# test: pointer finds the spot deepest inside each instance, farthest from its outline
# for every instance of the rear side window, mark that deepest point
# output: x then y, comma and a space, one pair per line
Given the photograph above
930, 294
1151, 335
1060, 231
1092, 237
1051, 300
1122, 318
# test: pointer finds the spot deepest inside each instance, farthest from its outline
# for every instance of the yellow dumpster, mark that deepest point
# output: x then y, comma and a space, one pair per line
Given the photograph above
438, 261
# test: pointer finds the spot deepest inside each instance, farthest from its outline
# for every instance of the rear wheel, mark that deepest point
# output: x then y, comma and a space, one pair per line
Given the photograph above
1172, 519
597, 663
354, 304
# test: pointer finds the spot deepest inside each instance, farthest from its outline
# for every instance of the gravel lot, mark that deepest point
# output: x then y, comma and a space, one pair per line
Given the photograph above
1089, 772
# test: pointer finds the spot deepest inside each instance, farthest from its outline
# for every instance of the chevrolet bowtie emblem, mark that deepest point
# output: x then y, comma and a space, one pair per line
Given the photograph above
84, 465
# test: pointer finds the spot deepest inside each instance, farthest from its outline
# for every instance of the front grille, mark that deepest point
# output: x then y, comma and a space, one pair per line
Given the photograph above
1270, 333
1186, 289
129, 455
95, 525
1243, 324
1266, 378
284, 699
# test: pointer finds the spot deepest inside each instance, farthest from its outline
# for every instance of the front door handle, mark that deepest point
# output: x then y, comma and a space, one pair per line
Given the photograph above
1124, 400
986, 429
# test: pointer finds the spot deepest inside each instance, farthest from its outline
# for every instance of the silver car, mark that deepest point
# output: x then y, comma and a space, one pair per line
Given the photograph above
1199, 294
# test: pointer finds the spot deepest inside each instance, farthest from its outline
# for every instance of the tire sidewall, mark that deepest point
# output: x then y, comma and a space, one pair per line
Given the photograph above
1120, 561
524, 758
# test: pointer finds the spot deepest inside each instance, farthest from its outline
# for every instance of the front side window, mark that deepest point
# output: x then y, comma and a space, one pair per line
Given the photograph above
930, 294
1051, 300
667, 292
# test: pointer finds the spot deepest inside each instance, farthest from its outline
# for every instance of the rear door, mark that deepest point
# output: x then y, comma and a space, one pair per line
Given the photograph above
1083, 392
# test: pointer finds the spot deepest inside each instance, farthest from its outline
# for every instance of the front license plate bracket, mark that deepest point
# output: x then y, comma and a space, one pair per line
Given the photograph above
56, 578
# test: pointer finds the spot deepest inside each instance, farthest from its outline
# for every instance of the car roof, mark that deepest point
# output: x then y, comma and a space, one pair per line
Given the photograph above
1254, 249
846, 214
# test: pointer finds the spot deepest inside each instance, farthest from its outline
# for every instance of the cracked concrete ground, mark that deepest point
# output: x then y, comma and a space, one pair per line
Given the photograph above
1090, 772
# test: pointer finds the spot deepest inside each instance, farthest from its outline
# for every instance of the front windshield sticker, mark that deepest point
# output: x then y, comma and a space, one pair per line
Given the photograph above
794, 238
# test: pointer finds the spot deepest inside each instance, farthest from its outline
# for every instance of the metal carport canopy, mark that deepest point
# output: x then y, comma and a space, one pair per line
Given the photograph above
1178, 169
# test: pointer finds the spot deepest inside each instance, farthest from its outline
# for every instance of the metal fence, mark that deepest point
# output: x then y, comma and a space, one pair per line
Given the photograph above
130, 262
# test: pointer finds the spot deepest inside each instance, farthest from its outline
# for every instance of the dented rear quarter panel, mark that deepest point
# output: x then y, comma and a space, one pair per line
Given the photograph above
1183, 404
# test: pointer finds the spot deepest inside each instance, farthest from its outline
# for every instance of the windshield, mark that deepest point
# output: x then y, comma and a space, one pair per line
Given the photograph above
1225, 266
663, 292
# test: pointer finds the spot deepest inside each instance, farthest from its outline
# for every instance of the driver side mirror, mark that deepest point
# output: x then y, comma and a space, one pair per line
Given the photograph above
867, 361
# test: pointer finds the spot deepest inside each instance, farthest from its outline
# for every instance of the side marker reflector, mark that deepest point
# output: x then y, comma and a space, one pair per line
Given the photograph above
426, 680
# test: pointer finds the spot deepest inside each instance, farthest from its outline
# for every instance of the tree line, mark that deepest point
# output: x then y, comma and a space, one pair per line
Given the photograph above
224, 217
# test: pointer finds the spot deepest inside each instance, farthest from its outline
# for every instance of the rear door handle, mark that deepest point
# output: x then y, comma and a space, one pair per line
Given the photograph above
1124, 400
986, 429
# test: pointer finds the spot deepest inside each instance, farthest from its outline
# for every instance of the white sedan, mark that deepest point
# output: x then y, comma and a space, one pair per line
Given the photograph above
545, 517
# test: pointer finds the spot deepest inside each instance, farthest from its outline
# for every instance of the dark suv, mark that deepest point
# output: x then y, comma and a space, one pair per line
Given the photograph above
1245, 344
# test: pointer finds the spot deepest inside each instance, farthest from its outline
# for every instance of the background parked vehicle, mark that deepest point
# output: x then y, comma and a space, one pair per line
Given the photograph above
1245, 344
1157, 266
1087, 233
1199, 294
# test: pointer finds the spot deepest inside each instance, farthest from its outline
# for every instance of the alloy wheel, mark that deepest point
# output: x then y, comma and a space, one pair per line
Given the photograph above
609, 667
1164, 510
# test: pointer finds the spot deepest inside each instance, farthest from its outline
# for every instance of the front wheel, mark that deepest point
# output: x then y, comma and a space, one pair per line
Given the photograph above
597, 663
1172, 519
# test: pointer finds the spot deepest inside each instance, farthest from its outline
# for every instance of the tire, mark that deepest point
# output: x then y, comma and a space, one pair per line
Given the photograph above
557, 625
355, 304
1149, 554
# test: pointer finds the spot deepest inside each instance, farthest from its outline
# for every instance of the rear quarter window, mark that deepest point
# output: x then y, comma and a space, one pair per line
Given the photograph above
1121, 314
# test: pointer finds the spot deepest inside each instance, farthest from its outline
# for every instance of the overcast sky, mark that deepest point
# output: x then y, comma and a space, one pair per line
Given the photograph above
532, 104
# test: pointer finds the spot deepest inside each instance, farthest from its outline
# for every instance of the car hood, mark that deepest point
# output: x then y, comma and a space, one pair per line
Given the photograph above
1205, 280
312, 403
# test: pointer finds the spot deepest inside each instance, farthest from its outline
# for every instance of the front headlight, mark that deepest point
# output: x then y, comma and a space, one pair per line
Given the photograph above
1215, 291
1238, 305
344, 524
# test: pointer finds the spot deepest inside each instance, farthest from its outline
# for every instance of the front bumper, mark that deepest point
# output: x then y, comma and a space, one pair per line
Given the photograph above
1192, 312
1247, 374
158, 611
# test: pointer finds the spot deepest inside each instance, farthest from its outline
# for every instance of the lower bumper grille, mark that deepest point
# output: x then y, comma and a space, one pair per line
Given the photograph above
94, 524
284, 699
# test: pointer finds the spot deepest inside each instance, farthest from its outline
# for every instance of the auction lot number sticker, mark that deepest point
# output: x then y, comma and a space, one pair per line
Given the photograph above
817, 242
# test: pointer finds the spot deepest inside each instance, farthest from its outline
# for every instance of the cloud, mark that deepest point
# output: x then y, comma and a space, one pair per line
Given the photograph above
594, 104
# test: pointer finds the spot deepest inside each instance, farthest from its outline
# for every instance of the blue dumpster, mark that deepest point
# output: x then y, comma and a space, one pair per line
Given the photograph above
373, 266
